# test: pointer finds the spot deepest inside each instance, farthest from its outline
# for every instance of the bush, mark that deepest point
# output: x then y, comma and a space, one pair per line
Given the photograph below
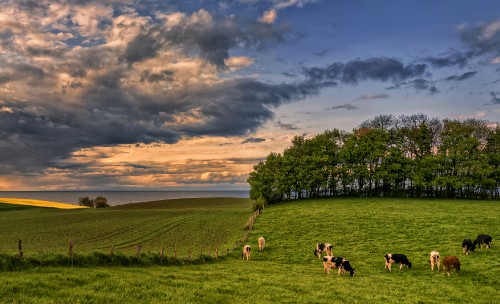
259, 204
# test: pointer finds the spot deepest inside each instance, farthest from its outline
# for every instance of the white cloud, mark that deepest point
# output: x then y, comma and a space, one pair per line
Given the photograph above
269, 16
235, 63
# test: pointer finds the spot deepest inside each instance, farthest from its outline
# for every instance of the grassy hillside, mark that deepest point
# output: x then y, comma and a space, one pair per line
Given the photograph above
362, 230
188, 225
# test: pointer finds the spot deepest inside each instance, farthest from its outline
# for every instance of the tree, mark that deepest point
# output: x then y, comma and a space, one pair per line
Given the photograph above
98, 202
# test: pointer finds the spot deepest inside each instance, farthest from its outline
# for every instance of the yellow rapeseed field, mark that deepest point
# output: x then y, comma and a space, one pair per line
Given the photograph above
38, 203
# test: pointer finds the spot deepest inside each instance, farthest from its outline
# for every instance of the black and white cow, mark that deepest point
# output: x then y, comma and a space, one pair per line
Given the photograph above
483, 239
397, 258
468, 246
323, 247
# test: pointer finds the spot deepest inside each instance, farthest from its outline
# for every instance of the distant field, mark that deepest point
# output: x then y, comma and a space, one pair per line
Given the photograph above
186, 225
38, 203
362, 230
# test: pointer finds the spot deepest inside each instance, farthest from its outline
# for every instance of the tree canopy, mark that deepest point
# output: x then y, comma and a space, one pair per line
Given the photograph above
409, 156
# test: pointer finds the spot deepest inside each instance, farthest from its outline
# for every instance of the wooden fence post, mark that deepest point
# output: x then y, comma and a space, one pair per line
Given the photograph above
111, 251
216, 253
175, 253
20, 246
162, 252
71, 251
138, 250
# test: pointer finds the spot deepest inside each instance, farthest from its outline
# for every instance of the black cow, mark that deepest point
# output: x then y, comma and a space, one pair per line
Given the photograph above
483, 239
468, 246
331, 262
392, 258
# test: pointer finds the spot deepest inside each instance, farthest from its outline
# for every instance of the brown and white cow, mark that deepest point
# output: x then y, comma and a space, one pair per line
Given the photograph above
434, 259
247, 250
262, 243
450, 263
323, 247
397, 258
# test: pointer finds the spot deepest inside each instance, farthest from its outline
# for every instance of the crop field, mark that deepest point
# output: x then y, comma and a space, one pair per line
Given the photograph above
199, 225
361, 230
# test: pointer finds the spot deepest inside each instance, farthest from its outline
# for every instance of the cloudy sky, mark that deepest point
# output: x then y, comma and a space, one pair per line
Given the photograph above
188, 94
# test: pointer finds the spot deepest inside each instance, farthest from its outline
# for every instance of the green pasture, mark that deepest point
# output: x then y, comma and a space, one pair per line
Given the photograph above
362, 231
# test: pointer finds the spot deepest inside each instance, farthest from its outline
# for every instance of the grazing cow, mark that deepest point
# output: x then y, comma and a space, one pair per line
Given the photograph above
247, 250
331, 262
323, 247
262, 243
483, 239
449, 263
434, 259
468, 246
392, 258
346, 266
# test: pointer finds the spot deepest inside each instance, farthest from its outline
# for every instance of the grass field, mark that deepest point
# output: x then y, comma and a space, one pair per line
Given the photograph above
362, 230
199, 225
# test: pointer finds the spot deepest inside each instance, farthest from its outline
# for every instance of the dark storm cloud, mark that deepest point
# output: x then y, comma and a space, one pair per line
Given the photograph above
212, 43
253, 140
464, 76
38, 137
375, 68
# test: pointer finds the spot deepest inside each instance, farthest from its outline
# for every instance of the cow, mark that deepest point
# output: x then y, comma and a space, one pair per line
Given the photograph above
331, 262
323, 247
346, 266
262, 243
468, 246
392, 258
247, 250
328, 263
483, 239
434, 259
449, 263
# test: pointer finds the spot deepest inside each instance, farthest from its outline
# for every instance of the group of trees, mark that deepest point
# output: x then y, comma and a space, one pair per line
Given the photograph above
98, 202
409, 156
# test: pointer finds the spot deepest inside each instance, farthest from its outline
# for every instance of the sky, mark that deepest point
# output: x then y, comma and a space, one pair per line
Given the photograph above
190, 95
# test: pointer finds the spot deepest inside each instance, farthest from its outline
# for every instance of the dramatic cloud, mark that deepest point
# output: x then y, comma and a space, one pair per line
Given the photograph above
125, 79
210, 36
418, 84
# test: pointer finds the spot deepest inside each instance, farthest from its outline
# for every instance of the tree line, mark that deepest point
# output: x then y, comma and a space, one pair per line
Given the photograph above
408, 156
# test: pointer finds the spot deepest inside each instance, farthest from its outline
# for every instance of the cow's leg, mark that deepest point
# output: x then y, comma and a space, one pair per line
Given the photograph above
400, 266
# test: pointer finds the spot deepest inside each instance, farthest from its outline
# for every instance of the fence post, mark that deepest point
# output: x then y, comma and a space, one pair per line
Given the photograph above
138, 250
111, 251
162, 252
175, 253
20, 245
71, 251
216, 253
